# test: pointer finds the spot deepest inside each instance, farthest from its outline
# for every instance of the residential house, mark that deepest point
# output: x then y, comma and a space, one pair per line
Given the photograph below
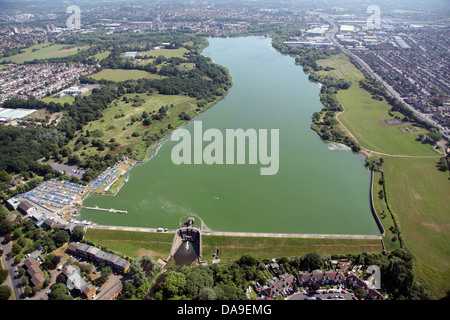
34, 271
353, 281
321, 278
77, 282
273, 288
100, 256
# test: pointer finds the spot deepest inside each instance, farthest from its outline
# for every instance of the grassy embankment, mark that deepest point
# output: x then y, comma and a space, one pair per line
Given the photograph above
416, 191
135, 244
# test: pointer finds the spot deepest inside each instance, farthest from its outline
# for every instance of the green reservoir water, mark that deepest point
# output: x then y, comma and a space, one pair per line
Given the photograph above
319, 188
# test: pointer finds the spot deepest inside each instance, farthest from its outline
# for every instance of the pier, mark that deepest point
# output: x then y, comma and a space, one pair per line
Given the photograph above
102, 209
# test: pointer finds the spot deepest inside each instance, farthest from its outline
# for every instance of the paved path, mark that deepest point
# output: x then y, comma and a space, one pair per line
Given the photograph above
252, 234
12, 281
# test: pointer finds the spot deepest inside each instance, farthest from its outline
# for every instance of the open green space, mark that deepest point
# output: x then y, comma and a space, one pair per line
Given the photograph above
102, 55
131, 243
122, 123
418, 195
135, 244
166, 53
122, 74
417, 192
66, 98
362, 115
44, 51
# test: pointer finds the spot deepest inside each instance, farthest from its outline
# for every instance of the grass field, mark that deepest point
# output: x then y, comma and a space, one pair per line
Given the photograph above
66, 98
417, 192
117, 123
166, 53
102, 55
158, 245
419, 196
122, 74
363, 114
43, 51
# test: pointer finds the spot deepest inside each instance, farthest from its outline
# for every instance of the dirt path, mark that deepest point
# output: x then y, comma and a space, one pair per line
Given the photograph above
368, 152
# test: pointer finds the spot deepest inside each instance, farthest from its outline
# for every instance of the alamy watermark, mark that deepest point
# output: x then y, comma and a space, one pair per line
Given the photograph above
74, 21
375, 278
233, 144
374, 21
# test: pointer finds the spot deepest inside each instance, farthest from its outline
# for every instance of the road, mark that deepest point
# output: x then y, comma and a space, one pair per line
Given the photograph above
331, 37
14, 280
321, 296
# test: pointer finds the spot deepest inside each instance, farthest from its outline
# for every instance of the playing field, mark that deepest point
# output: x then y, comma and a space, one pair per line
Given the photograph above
122, 74
417, 191
167, 53
45, 51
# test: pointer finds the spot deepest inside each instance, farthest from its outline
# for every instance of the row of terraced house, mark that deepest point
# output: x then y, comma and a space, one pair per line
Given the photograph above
100, 256
286, 282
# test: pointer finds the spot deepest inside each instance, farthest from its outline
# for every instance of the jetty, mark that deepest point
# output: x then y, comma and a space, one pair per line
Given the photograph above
102, 209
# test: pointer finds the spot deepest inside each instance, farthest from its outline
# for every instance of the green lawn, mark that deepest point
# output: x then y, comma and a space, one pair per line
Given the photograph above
122, 74
167, 53
417, 192
66, 98
136, 244
102, 55
132, 244
116, 122
232, 248
44, 51
363, 114
419, 196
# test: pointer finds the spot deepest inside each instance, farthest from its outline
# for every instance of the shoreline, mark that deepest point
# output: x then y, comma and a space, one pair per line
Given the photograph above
154, 148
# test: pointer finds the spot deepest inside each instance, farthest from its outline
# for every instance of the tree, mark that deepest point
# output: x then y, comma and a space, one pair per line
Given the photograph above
137, 273
247, 261
58, 292
311, 261
174, 283
77, 235
60, 237
207, 294
360, 294
129, 291
150, 266
196, 280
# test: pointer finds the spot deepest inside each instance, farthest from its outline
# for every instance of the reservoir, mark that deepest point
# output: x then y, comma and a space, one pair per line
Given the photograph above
319, 187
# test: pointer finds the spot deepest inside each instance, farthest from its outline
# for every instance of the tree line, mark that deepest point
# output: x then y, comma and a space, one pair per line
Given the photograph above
23, 145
